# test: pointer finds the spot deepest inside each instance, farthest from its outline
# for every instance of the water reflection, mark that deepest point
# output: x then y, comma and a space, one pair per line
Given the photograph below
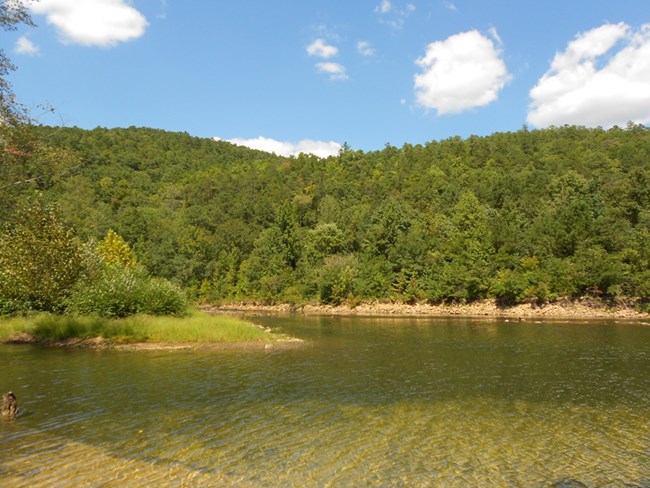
391, 402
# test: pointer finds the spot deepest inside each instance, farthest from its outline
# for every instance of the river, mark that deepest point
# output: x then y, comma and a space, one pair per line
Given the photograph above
367, 402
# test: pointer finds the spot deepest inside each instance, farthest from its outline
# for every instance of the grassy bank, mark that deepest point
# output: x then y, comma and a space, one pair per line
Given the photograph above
199, 327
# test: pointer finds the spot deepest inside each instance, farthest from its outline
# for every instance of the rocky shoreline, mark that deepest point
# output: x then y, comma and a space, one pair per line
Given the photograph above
562, 309
580, 309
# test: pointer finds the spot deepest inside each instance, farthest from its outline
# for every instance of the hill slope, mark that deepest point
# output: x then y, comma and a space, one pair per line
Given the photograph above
517, 216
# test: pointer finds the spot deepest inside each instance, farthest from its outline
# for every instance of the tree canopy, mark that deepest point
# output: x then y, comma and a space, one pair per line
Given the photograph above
527, 215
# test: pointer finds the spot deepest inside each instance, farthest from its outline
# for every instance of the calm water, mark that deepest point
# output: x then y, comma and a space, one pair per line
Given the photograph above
370, 402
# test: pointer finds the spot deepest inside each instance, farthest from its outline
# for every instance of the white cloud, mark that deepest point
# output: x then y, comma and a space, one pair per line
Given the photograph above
365, 48
92, 22
461, 72
335, 70
602, 78
321, 49
392, 16
384, 7
25, 46
319, 148
495, 35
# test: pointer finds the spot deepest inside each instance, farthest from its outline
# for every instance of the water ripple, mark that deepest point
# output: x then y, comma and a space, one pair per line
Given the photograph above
441, 406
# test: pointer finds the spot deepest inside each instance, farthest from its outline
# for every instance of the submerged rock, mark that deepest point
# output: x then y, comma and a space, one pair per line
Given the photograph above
9, 406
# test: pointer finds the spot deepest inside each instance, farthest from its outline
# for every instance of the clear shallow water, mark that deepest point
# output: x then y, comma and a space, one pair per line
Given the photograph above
370, 402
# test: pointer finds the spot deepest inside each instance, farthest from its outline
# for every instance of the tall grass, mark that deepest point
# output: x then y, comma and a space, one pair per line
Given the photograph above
198, 327
62, 327
11, 327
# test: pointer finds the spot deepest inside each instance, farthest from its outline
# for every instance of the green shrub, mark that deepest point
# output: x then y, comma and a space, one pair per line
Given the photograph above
120, 292
643, 307
9, 306
641, 286
292, 295
448, 281
116, 292
161, 297
510, 287
406, 287
373, 278
336, 278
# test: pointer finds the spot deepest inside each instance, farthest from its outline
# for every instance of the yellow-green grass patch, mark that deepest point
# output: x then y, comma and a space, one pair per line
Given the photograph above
199, 327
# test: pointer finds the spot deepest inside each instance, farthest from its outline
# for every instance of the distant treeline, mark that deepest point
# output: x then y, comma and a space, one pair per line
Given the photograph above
528, 215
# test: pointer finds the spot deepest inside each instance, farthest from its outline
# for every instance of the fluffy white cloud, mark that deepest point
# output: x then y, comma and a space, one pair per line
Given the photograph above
602, 78
365, 48
92, 22
336, 71
461, 72
319, 148
321, 49
25, 46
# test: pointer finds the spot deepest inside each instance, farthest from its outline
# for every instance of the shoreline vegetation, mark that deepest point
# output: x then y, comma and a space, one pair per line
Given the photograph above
531, 215
198, 331
584, 308
213, 328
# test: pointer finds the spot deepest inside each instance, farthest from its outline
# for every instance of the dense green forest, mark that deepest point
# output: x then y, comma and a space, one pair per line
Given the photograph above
530, 215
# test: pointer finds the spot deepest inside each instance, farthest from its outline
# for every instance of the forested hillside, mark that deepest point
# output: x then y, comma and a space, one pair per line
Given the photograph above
529, 215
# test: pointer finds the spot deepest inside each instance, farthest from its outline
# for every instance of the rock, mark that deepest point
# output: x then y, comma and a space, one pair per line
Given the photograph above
9, 406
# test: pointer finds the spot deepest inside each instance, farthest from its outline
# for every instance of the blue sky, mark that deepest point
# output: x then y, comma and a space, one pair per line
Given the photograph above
300, 75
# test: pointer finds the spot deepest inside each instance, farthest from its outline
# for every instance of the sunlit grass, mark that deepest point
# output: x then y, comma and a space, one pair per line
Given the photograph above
12, 327
198, 327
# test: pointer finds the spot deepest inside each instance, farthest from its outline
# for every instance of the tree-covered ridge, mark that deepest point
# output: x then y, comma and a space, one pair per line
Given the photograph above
525, 215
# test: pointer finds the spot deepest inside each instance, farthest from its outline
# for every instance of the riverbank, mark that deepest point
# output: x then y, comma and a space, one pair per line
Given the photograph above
199, 331
276, 343
585, 308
